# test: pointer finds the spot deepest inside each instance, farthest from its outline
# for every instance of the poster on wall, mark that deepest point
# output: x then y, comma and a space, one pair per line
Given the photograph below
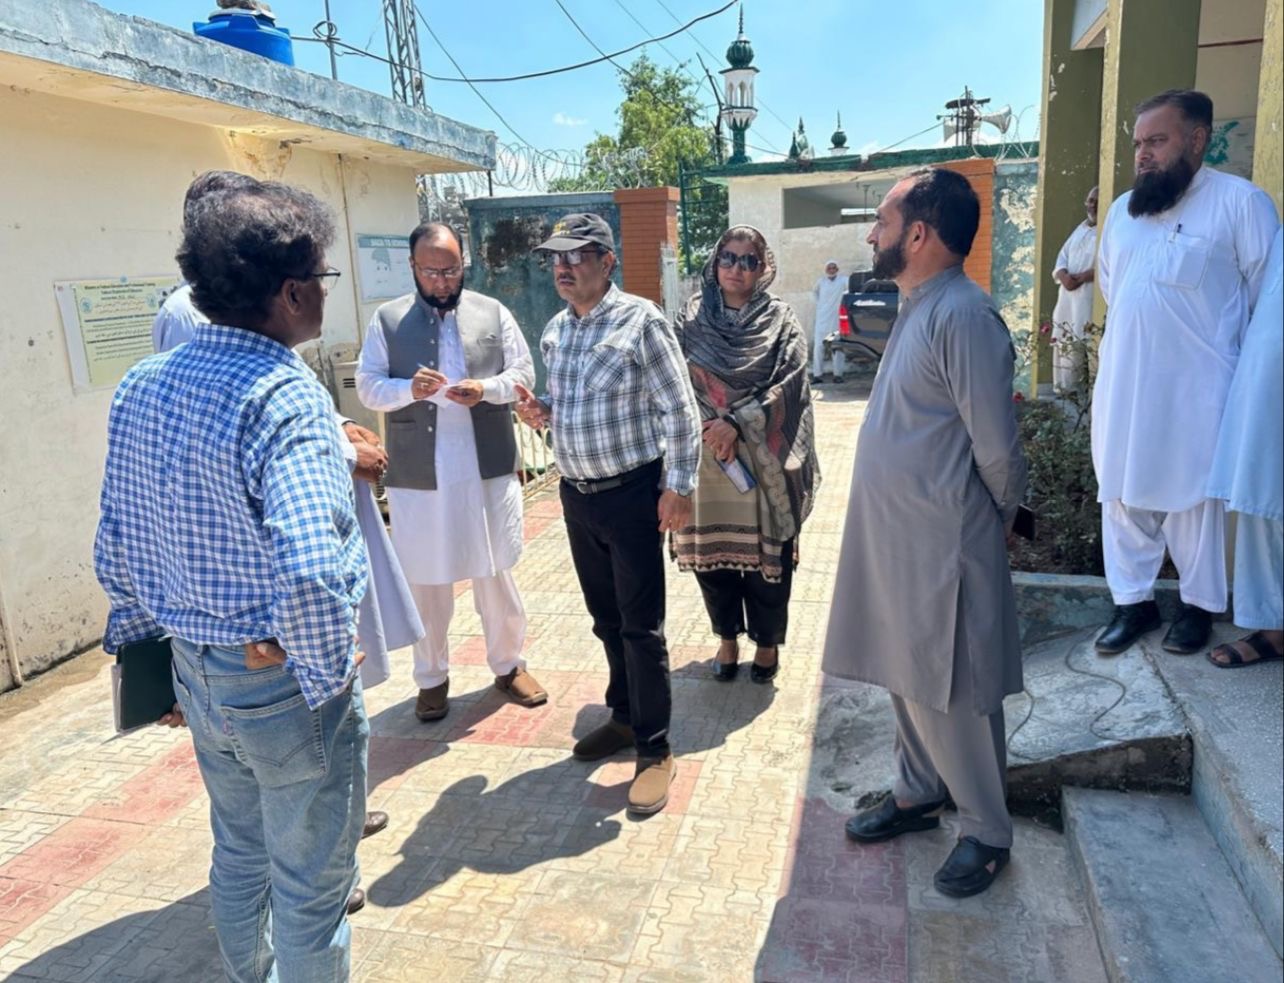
108, 324
383, 264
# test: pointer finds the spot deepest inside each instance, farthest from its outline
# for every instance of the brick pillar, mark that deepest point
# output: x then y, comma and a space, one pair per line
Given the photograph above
648, 219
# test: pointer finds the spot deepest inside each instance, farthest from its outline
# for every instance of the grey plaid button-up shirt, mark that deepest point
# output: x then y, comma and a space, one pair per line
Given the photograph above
620, 393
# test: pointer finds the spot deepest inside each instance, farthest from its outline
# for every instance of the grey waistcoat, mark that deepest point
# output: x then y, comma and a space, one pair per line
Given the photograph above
411, 328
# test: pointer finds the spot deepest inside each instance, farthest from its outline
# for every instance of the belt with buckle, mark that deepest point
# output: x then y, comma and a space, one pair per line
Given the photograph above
607, 484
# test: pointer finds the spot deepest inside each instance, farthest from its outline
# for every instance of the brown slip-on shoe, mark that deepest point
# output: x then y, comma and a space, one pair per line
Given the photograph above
522, 688
650, 789
433, 703
603, 742
356, 900
375, 821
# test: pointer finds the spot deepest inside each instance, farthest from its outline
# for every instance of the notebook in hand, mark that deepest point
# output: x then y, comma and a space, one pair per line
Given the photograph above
1024, 524
142, 688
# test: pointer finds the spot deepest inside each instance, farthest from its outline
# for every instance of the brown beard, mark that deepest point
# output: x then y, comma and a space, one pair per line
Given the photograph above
1155, 192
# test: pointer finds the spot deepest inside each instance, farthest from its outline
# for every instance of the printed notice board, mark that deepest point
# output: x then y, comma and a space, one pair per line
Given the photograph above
383, 264
108, 324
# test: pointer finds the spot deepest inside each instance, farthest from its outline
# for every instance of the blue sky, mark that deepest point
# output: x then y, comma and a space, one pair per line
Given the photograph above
889, 68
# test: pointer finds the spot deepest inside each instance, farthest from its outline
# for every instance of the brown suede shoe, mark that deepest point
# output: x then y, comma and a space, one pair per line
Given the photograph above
521, 688
603, 742
432, 703
650, 789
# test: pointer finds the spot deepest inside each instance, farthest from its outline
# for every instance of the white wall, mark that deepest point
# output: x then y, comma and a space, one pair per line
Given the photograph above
801, 254
90, 192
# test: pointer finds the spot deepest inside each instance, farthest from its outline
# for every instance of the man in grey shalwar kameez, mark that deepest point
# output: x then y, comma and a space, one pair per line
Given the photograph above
923, 601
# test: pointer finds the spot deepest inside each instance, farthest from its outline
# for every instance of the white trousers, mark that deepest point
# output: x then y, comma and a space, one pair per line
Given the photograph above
1259, 573
819, 333
503, 623
1133, 543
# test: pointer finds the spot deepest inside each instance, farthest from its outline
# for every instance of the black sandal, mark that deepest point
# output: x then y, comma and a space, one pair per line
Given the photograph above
1256, 641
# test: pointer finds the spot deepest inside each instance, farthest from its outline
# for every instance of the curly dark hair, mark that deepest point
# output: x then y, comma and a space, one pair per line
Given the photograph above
210, 182
240, 245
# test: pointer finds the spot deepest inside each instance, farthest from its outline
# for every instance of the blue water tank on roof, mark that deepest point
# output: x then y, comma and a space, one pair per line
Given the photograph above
249, 32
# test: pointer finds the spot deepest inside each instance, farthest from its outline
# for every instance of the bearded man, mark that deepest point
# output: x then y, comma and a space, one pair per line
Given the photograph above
445, 364
923, 600
1182, 260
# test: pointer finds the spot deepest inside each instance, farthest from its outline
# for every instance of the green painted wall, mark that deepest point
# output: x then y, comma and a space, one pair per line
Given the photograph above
1069, 147
1268, 168
502, 234
1016, 187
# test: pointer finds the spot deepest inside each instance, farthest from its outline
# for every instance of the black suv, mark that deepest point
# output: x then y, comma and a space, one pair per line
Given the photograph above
865, 319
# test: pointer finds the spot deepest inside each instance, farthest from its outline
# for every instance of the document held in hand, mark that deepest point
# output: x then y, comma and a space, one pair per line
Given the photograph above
142, 687
739, 474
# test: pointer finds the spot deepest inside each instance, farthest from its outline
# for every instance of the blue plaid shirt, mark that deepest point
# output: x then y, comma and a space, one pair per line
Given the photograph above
227, 509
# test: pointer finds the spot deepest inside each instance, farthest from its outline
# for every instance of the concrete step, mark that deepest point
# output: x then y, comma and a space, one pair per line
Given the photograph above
1092, 722
1166, 906
1082, 720
1236, 719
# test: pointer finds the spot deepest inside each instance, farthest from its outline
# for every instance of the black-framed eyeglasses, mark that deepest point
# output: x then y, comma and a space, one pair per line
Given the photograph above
435, 273
328, 277
574, 257
748, 262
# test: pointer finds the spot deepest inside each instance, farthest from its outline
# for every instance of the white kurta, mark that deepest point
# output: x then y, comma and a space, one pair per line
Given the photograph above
1180, 287
467, 527
1074, 307
828, 295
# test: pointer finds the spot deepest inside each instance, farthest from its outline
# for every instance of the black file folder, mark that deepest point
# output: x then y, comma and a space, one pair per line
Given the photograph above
142, 686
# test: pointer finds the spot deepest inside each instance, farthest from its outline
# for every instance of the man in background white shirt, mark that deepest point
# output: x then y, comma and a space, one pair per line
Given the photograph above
1182, 259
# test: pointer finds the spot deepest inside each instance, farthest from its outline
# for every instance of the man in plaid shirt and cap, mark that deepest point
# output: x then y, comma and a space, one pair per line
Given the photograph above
626, 437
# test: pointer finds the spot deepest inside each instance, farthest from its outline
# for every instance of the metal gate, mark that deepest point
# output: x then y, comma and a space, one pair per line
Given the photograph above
702, 214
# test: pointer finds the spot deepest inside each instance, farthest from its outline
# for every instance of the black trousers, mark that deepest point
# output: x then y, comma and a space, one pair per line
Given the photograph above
616, 547
738, 600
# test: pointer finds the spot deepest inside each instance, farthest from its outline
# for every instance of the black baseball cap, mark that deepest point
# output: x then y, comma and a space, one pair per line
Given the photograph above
577, 231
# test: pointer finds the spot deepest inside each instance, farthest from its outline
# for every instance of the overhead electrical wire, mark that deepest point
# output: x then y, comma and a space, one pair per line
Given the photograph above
469, 80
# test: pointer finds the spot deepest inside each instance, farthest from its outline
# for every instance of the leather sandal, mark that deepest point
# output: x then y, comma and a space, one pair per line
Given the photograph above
887, 820
1233, 660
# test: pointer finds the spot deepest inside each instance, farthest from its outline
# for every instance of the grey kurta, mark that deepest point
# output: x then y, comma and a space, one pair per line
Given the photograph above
939, 473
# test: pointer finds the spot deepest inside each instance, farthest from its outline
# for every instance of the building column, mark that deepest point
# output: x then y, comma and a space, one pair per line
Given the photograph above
1151, 45
1069, 147
648, 220
1268, 152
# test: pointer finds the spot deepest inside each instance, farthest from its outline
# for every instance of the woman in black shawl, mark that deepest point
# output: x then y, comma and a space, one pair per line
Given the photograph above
758, 471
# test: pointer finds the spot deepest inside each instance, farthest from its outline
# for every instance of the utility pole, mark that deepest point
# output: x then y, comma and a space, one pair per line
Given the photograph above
330, 32
403, 52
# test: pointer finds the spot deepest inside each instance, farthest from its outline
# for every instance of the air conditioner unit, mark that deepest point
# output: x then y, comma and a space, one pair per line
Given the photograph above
345, 385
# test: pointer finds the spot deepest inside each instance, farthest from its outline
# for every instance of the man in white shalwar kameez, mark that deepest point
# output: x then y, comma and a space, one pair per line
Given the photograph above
444, 363
1182, 259
828, 294
1074, 275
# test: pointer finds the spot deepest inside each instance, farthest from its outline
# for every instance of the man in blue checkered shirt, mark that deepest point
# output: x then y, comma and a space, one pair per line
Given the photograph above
228, 523
626, 438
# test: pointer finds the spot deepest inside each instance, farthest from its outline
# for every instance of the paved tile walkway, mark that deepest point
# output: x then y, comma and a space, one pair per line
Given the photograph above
507, 860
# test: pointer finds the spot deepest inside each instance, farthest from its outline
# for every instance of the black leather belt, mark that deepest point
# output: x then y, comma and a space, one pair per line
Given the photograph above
607, 484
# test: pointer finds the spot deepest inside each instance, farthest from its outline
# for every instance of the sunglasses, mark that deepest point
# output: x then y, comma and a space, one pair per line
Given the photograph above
574, 257
748, 262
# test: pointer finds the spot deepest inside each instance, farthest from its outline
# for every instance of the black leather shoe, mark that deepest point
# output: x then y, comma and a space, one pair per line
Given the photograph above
356, 900
764, 674
375, 821
1190, 632
887, 820
970, 868
725, 672
1130, 622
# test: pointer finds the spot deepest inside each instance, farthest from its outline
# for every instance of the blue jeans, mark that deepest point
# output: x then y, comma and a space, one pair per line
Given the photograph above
287, 788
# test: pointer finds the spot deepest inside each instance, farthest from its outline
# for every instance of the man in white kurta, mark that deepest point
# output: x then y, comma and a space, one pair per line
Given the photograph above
463, 520
1182, 260
828, 294
1074, 275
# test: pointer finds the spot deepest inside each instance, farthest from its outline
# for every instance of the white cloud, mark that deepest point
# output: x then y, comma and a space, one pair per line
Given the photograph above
561, 119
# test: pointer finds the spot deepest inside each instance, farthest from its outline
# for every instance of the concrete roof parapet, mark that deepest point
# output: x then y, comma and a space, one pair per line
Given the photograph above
77, 49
